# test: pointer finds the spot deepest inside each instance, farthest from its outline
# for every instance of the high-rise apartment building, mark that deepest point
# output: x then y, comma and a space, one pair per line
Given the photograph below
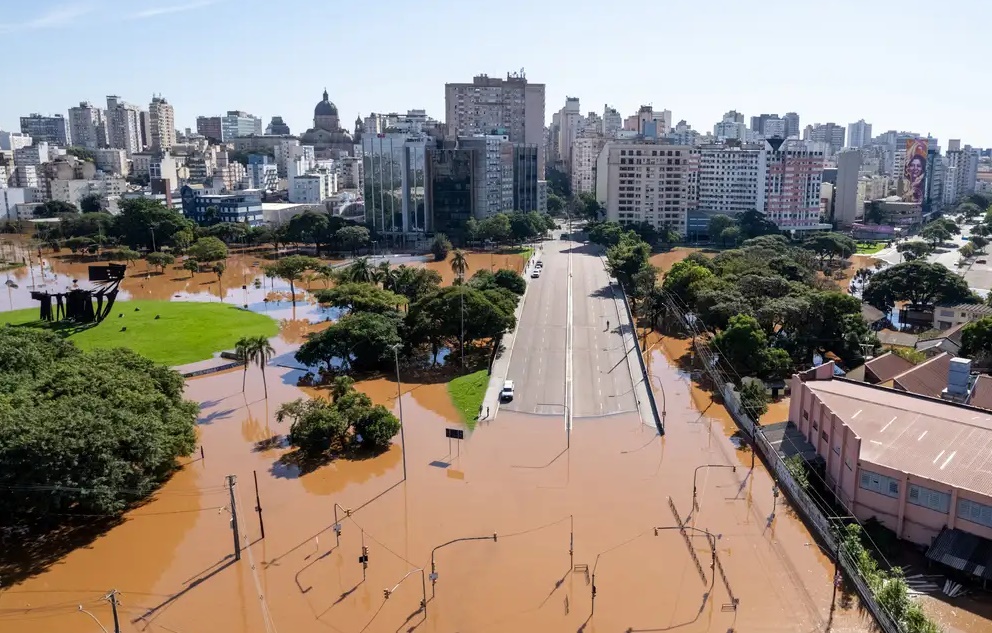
585, 154
846, 189
162, 122
792, 129
123, 125
829, 133
731, 178
51, 129
858, 134
758, 123
493, 173
510, 106
569, 118
236, 124
209, 127
277, 127
961, 173
87, 126
731, 127
9, 141
612, 122
145, 127
646, 181
649, 123
792, 185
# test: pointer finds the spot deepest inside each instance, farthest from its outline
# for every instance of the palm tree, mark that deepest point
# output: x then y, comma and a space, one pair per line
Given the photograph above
360, 270
242, 348
260, 351
459, 264
384, 274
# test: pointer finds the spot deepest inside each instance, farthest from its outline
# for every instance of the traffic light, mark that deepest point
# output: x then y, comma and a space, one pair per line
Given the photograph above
385, 594
364, 558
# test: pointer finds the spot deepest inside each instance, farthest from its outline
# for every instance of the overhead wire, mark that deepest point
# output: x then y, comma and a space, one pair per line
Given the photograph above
726, 369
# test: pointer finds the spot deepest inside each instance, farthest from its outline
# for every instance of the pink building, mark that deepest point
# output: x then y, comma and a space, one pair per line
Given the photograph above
920, 465
792, 186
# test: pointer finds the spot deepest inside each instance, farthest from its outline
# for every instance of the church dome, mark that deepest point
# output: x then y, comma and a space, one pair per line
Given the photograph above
325, 108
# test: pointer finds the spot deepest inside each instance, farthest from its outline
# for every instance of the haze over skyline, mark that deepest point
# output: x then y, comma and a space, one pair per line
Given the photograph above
907, 65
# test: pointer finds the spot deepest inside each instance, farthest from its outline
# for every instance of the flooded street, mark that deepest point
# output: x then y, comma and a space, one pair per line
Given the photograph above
519, 521
172, 559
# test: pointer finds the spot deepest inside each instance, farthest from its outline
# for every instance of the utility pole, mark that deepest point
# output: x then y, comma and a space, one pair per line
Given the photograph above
112, 597
258, 505
231, 480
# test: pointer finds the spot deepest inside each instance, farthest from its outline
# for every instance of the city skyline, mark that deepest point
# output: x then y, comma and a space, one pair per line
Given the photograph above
829, 83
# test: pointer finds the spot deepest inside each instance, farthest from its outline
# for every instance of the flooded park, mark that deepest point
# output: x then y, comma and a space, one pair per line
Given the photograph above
522, 525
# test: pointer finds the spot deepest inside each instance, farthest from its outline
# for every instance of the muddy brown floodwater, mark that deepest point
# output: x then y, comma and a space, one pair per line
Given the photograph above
515, 524
172, 559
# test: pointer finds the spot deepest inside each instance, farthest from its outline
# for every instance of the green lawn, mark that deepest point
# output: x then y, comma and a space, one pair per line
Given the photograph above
467, 393
870, 248
185, 332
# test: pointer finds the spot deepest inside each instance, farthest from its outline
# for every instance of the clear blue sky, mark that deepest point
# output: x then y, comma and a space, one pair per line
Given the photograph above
906, 65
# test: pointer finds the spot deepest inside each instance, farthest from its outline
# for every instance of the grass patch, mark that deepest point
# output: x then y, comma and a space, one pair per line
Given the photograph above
185, 332
10, 265
870, 248
467, 392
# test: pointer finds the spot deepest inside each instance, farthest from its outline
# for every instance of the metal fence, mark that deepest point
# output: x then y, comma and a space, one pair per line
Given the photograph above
658, 421
811, 514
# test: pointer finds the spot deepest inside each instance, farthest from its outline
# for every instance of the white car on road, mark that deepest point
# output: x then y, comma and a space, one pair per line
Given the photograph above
506, 393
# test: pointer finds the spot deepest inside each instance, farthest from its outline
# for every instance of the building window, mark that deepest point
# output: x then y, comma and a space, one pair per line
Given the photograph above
933, 499
975, 512
880, 483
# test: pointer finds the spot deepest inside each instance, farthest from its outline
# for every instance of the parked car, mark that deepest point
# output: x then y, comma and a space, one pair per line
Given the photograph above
536, 273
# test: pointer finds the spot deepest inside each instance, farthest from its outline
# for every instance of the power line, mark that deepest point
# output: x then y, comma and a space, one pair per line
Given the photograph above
715, 366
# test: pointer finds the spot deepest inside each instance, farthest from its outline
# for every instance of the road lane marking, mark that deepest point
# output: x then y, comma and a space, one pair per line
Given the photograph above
568, 347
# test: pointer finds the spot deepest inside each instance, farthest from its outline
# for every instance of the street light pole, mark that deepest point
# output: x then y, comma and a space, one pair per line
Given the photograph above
399, 400
695, 506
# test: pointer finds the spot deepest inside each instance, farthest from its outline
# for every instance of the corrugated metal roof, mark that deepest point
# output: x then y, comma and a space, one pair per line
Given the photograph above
885, 368
963, 551
981, 393
943, 442
927, 379
898, 339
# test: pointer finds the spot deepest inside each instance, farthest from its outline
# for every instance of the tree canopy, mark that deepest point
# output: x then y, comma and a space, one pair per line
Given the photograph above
767, 305
360, 340
976, 339
918, 282
98, 430
914, 250
361, 297
208, 249
319, 425
290, 268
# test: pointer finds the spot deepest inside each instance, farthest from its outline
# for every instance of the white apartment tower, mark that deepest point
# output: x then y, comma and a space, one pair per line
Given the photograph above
731, 179
585, 153
123, 125
87, 126
612, 122
510, 106
569, 118
162, 121
961, 173
858, 134
645, 181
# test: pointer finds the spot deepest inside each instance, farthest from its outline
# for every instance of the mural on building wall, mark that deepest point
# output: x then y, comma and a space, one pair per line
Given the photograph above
915, 170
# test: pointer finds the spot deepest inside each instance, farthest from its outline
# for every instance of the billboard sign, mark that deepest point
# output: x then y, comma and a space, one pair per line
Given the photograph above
915, 170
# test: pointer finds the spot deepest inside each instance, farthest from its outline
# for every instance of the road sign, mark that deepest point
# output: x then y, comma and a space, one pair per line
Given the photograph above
454, 434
